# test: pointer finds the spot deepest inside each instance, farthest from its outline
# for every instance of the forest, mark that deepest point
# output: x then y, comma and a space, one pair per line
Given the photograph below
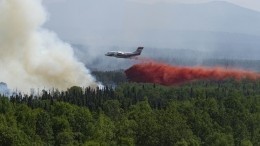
124, 113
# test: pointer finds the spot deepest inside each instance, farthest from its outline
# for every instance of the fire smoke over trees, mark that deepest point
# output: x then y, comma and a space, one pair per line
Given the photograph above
31, 56
170, 75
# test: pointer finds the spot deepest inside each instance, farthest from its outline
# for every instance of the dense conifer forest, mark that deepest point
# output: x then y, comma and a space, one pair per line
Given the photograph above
123, 113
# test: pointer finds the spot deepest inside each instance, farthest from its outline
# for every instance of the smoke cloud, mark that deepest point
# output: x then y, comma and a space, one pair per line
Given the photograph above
33, 57
170, 75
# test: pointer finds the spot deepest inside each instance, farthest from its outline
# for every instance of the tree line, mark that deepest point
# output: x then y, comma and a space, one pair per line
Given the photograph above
197, 113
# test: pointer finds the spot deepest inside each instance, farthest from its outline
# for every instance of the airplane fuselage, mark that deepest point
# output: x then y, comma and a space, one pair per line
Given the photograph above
119, 54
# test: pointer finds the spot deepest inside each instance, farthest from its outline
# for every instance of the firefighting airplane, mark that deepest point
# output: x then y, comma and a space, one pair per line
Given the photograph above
119, 54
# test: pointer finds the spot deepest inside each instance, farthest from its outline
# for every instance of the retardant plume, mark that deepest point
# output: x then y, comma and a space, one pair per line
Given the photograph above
170, 75
33, 57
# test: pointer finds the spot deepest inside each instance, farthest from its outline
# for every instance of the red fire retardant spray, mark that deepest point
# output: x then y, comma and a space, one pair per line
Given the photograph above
164, 74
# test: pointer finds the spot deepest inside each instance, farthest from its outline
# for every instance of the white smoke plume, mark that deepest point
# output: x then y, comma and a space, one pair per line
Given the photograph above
33, 57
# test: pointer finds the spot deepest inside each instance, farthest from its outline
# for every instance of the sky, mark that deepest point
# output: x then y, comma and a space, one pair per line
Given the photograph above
251, 4
124, 24
93, 21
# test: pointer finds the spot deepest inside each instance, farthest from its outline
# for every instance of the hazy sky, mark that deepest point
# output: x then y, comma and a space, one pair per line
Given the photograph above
251, 4
223, 29
113, 24
95, 20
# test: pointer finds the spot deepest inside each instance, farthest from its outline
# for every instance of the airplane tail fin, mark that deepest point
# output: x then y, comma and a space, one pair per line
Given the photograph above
139, 50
